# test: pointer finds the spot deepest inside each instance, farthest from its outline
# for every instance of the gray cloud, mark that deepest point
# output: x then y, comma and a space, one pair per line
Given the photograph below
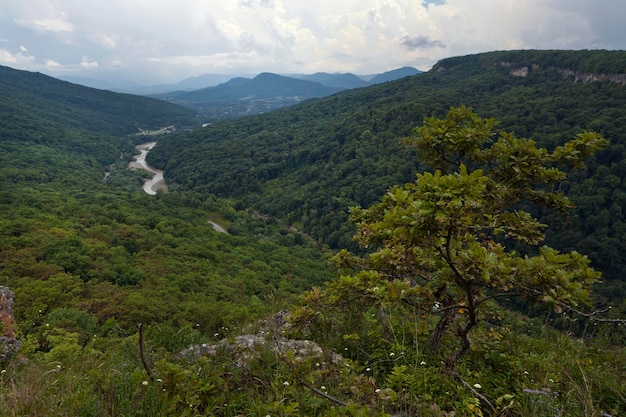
420, 42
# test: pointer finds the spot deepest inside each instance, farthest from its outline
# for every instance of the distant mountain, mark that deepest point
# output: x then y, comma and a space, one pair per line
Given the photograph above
394, 75
265, 92
119, 86
349, 80
195, 83
344, 81
244, 96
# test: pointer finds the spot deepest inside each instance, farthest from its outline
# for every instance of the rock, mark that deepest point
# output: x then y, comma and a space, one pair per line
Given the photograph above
270, 335
9, 345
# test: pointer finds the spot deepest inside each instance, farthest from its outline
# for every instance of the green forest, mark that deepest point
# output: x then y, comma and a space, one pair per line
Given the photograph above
447, 244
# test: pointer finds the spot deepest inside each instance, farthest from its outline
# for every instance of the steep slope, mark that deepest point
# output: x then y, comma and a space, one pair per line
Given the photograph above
309, 163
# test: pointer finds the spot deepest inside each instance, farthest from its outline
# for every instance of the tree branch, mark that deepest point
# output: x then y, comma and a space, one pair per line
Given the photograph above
473, 390
142, 355
325, 395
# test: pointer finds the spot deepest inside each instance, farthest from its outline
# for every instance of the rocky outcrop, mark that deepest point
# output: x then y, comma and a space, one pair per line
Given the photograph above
579, 77
271, 336
9, 345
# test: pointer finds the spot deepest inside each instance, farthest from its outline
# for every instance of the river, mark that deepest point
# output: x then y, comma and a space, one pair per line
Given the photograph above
157, 182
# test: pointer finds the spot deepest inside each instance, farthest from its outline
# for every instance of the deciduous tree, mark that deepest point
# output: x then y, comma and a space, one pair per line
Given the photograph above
444, 243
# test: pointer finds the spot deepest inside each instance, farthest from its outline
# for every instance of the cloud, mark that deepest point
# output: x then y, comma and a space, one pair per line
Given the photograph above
105, 41
88, 63
420, 42
47, 25
52, 65
17, 60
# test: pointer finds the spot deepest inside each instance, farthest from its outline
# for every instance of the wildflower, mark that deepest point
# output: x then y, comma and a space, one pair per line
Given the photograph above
367, 369
323, 388
392, 354
477, 386
159, 380
4, 371
317, 364
286, 383
423, 363
144, 383
377, 390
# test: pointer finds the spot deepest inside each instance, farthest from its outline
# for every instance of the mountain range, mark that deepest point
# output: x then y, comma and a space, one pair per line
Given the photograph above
266, 92
345, 81
242, 96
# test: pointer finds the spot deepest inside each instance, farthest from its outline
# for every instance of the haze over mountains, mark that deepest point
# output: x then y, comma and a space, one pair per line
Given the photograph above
344, 81
214, 98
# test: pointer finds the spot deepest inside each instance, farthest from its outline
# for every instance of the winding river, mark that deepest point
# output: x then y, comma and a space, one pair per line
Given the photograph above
157, 182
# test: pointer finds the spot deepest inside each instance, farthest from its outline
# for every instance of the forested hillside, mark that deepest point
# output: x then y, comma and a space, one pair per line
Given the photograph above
309, 163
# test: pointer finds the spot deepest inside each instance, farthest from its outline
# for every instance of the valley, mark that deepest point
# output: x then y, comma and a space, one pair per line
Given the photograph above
156, 183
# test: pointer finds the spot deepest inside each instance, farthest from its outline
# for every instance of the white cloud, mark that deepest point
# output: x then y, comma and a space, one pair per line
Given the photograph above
7, 57
47, 25
17, 60
88, 63
105, 41
52, 64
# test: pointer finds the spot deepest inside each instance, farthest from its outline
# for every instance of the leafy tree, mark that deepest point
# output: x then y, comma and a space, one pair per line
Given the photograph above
443, 244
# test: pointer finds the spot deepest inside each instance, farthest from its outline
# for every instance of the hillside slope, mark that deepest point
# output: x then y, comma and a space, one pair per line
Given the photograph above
309, 163
33, 99
53, 123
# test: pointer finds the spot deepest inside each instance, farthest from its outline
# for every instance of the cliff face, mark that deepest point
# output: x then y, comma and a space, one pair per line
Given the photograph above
583, 77
9, 345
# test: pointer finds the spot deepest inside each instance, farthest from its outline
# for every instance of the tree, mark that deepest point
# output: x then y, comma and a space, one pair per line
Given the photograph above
443, 244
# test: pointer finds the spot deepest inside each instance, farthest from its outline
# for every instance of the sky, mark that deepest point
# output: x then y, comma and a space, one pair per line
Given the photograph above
164, 41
